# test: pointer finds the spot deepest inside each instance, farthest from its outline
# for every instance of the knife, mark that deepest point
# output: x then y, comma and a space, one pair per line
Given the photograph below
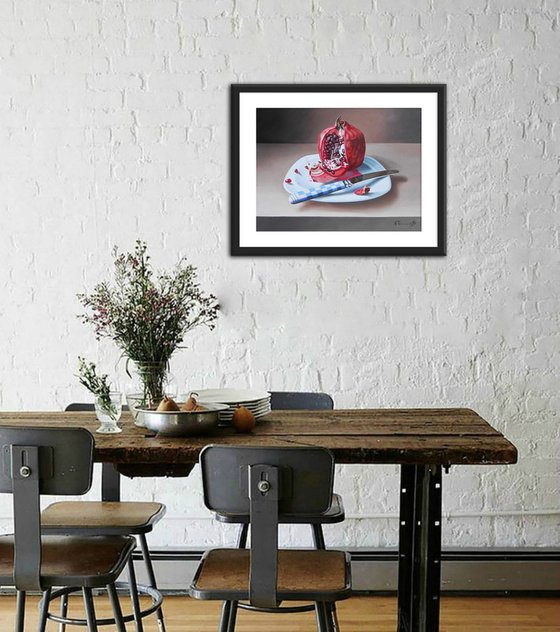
339, 185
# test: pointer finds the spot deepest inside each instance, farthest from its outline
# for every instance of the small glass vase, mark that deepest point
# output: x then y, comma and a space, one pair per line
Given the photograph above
150, 383
109, 412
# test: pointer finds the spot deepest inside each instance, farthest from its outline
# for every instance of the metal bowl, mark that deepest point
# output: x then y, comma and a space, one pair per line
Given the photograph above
182, 423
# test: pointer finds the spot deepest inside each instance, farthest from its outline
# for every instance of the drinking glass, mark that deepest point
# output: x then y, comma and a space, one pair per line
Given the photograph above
108, 412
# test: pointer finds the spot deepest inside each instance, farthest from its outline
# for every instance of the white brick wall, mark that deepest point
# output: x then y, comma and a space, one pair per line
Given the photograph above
114, 125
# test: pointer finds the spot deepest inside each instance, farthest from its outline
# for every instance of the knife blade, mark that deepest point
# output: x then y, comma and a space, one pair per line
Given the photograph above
338, 185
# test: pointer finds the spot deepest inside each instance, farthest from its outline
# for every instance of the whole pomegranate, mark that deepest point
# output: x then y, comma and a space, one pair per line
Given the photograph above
341, 147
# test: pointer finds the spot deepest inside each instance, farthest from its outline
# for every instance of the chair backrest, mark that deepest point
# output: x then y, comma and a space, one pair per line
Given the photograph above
294, 400
264, 482
81, 407
35, 461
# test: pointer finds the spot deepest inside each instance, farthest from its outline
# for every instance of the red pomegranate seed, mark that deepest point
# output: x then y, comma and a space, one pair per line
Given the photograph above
362, 191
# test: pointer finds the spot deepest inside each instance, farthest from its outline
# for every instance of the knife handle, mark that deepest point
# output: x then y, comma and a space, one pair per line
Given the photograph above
324, 189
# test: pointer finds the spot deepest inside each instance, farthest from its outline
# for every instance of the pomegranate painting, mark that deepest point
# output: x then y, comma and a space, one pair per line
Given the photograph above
342, 147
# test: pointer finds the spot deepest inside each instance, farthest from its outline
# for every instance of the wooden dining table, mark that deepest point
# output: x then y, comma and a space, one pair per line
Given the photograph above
421, 441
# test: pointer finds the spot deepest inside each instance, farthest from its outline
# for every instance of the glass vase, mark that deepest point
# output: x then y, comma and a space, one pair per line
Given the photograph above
108, 411
150, 383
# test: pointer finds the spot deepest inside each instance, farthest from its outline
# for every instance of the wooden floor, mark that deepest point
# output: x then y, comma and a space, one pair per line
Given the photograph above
376, 614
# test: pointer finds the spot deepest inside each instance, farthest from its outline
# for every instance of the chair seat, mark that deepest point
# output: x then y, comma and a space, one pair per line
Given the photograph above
335, 513
110, 518
302, 575
92, 562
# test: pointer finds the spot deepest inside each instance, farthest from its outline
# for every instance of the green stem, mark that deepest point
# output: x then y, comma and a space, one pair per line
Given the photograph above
107, 405
153, 379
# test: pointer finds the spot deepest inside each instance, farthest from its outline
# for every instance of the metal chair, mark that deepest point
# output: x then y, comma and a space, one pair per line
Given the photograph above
300, 400
290, 400
110, 518
79, 407
36, 461
266, 483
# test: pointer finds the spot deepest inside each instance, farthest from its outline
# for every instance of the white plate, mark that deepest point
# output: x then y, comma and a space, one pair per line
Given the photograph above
302, 180
265, 404
258, 404
253, 409
230, 395
226, 418
253, 404
256, 411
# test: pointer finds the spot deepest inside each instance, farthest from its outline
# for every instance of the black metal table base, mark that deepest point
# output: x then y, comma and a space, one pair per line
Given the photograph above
419, 548
110, 483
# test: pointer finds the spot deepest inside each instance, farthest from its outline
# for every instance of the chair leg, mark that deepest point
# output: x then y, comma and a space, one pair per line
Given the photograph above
115, 604
318, 537
63, 611
334, 618
224, 619
322, 623
90, 610
232, 617
20, 611
229, 609
319, 542
151, 576
134, 597
242, 536
42, 624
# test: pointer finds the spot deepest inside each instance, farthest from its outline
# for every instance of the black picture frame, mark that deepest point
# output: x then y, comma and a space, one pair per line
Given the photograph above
290, 242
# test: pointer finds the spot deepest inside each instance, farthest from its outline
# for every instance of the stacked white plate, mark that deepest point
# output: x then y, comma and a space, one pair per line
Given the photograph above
258, 402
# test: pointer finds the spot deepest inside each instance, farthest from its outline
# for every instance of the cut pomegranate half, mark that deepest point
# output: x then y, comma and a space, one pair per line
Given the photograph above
341, 147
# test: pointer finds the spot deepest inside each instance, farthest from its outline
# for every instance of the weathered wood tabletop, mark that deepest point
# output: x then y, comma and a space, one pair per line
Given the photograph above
441, 436
420, 440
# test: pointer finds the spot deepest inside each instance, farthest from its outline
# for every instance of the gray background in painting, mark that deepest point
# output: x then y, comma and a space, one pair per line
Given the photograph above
303, 125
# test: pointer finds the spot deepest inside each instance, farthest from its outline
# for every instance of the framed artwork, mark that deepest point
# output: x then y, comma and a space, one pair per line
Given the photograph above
338, 170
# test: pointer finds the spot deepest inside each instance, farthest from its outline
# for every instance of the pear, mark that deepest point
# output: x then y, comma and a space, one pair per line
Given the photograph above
243, 419
167, 405
191, 403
